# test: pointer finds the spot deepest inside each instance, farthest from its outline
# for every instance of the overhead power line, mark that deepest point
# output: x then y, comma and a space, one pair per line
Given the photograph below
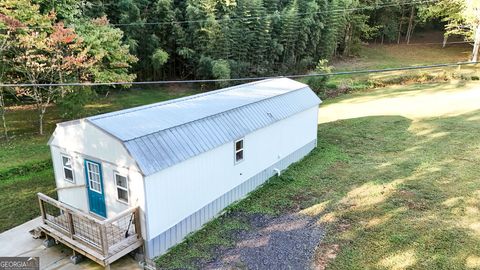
435, 43
293, 76
423, 43
247, 18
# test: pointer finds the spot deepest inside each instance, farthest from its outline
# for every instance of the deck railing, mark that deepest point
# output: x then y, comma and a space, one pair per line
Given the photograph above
103, 236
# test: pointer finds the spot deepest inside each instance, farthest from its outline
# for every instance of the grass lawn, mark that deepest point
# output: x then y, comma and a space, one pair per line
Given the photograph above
393, 55
19, 197
388, 56
394, 180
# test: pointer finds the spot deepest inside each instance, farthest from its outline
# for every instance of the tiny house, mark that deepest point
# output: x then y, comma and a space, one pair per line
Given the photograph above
182, 161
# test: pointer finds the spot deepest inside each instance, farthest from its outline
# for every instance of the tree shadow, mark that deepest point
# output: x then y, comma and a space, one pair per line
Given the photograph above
409, 192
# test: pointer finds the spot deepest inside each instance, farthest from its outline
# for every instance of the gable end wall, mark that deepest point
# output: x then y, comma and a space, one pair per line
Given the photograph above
81, 140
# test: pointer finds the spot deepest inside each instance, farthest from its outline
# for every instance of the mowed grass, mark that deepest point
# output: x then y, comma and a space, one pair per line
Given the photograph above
393, 55
373, 57
394, 179
25, 166
19, 197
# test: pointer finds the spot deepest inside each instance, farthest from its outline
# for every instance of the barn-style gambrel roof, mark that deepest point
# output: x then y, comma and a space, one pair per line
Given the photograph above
163, 134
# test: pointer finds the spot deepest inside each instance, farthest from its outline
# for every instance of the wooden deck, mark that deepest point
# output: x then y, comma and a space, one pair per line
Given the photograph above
103, 241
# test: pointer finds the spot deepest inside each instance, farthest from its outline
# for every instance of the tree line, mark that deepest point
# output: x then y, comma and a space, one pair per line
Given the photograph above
44, 41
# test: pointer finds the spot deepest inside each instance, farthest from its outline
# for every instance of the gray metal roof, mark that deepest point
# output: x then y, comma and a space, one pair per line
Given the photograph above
163, 134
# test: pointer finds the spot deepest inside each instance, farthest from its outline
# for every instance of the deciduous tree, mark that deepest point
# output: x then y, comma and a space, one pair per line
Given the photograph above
45, 58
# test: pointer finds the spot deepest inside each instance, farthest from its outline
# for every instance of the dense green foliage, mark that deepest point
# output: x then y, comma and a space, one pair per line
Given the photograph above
188, 38
191, 38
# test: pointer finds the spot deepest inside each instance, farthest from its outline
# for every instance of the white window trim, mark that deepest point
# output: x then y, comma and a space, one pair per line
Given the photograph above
120, 187
235, 151
71, 168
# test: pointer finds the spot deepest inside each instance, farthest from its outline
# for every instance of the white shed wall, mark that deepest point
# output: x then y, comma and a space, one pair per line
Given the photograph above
81, 140
179, 191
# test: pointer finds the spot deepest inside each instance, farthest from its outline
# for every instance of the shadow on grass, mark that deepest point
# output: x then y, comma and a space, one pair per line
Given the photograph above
415, 207
392, 193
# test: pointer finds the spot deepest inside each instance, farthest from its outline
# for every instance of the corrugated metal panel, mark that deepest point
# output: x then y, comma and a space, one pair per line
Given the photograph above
163, 134
145, 120
160, 244
165, 148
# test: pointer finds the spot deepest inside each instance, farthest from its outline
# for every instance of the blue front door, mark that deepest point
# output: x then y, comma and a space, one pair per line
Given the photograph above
96, 196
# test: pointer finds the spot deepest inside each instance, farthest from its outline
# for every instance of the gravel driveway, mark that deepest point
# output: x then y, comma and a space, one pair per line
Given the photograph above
285, 242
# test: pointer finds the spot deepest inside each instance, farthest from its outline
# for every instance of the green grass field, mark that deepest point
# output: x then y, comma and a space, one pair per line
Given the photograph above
394, 180
394, 56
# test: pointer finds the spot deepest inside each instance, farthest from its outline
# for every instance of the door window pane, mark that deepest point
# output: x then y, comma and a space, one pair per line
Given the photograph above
94, 177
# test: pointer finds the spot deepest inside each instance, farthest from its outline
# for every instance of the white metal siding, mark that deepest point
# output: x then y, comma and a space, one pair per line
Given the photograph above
183, 189
160, 244
76, 197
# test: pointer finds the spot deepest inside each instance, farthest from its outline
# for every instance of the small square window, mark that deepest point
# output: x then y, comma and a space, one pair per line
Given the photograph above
67, 168
239, 151
122, 188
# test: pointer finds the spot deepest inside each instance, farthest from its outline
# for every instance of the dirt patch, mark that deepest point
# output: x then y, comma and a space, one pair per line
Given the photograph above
24, 107
325, 254
285, 242
187, 88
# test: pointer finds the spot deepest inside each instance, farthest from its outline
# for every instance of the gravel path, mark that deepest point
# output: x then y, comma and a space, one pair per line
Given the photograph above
286, 242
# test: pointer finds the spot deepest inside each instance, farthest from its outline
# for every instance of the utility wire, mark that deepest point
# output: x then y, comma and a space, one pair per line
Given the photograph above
243, 18
424, 43
293, 76
435, 43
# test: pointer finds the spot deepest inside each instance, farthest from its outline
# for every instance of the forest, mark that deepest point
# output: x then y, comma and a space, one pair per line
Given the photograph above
44, 41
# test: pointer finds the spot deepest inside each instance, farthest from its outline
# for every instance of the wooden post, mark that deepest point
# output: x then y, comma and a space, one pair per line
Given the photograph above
136, 219
42, 209
71, 228
103, 236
